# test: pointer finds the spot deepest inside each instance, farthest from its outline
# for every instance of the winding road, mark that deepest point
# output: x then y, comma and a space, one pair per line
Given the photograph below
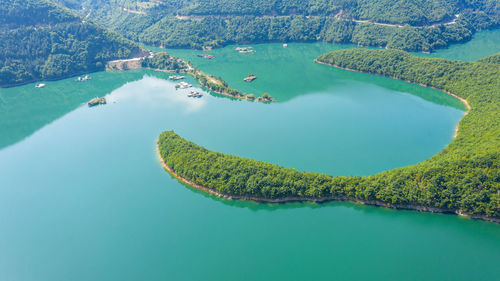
453, 21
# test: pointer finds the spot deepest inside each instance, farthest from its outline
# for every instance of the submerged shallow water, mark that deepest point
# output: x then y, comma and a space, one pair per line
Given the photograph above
85, 198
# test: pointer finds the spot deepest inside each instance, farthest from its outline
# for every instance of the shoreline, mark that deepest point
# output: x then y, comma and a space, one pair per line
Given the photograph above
215, 80
51, 79
464, 101
317, 200
66, 76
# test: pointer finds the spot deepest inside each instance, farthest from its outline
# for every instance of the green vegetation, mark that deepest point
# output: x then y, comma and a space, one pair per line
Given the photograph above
210, 23
463, 178
163, 61
491, 59
40, 40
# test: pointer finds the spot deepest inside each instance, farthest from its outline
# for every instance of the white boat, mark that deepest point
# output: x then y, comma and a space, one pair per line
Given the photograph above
244, 50
183, 85
176, 77
194, 94
85, 78
285, 45
41, 85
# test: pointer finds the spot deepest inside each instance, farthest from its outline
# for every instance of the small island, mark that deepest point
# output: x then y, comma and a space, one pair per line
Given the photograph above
164, 62
96, 101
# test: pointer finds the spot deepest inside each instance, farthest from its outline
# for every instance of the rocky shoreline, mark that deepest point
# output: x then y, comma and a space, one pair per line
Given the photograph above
320, 200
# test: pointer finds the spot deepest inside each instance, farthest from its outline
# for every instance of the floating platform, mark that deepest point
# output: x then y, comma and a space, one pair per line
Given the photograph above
183, 85
244, 50
250, 78
209, 57
194, 94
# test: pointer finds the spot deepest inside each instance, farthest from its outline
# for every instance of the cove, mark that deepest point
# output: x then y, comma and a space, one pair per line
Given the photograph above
289, 72
483, 43
83, 197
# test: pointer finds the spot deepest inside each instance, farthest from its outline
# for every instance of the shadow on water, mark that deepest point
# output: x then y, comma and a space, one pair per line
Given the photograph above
424, 218
427, 94
25, 109
256, 206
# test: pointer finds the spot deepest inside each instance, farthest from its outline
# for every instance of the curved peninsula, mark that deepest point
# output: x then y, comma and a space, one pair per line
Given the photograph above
462, 179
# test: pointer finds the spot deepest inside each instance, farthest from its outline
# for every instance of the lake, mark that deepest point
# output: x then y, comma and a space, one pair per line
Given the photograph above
83, 196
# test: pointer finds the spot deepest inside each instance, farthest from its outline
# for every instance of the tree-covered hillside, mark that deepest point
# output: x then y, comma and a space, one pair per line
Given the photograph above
41, 40
491, 59
420, 25
463, 178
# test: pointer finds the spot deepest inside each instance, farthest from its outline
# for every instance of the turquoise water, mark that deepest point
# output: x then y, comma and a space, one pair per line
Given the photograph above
483, 43
286, 73
83, 197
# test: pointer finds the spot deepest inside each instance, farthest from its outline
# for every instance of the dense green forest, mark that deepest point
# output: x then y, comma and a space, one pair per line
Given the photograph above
40, 40
164, 61
419, 25
463, 178
491, 59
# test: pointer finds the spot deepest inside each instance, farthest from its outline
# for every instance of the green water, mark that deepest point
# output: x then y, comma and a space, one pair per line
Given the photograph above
483, 43
83, 197
289, 72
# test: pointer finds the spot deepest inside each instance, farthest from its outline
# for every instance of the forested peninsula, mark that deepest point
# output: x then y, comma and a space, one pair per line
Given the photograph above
162, 61
40, 40
464, 178
396, 24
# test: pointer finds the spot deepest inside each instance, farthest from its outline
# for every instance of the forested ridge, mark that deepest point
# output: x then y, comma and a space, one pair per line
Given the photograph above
463, 178
40, 40
209, 23
491, 59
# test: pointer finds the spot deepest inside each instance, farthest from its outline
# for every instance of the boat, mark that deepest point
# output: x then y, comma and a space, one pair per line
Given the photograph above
84, 78
250, 78
194, 94
176, 77
205, 56
285, 45
183, 85
96, 101
41, 85
244, 50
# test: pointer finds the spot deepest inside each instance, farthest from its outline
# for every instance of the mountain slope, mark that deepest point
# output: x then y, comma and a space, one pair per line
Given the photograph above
41, 40
420, 25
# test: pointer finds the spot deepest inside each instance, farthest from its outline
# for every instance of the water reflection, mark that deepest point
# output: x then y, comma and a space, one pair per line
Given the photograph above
159, 94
